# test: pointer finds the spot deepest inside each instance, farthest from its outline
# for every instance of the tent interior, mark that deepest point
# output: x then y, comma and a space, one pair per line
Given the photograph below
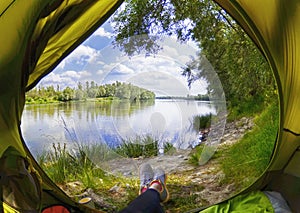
45, 32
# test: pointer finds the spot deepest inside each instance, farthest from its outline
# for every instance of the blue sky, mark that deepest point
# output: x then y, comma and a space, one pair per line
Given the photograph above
97, 60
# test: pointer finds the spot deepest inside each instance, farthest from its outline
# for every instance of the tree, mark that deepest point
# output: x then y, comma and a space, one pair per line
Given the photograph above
87, 86
122, 91
79, 86
67, 94
242, 69
135, 93
50, 91
79, 94
145, 95
117, 89
110, 90
93, 92
101, 91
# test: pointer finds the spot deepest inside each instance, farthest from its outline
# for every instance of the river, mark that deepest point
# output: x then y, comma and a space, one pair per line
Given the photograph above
111, 122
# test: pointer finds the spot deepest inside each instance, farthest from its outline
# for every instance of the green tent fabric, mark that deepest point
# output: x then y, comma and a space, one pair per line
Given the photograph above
36, 35
253, 202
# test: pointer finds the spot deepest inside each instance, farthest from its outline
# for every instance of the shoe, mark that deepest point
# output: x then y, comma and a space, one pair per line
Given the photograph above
160, 177
146, 176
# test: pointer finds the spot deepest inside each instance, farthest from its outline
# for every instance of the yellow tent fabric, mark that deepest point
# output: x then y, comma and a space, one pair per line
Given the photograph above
36, 35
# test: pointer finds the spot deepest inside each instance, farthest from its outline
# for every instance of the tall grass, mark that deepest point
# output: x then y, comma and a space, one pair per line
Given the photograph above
63, 166
57, 163
246, 160
142, 146
202, 122
85, 163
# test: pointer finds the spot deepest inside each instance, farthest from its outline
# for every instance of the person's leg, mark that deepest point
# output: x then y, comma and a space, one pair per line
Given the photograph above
147, 202
152, 192
159, 184
146, 176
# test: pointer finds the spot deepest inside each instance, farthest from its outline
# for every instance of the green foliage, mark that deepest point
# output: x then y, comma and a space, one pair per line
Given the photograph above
248, 107
195, 156
67, 94
62, 166
87, 175
244, 161
59, 162
202, 154
91, 90
243, 71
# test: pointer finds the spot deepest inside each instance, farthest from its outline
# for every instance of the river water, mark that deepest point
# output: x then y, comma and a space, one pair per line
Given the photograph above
111, 122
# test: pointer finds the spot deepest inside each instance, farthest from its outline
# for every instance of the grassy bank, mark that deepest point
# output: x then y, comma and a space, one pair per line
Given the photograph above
245, 161
75, 173
242, 163
63, 165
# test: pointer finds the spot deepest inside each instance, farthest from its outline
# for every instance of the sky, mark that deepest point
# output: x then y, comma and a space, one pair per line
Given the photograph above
97, 60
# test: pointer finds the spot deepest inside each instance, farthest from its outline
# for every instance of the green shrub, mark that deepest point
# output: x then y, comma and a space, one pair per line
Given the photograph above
250, 107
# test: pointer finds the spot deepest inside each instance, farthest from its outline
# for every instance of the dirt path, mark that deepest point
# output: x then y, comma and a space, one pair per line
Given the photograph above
209, 176
203, 182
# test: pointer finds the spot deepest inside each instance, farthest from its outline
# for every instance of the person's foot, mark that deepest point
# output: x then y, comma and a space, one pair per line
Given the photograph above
146, 176
159, 183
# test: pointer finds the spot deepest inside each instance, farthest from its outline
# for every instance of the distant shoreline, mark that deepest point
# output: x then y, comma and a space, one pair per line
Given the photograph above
195, 98
52, 101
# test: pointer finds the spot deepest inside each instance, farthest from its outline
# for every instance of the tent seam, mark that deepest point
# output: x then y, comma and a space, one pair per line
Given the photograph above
290, 131
7, 8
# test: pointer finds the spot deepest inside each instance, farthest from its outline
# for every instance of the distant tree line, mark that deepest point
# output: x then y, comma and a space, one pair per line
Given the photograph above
89, 90
198, 97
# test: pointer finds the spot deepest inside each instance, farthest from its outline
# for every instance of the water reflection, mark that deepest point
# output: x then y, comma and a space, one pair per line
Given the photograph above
110, 122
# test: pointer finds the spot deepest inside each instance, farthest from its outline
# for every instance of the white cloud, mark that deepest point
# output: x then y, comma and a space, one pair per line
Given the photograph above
52, 78
161, 83
109, 65
68, 78
103, 33
70, 74
106, 69
56, 79
83, 51
121, 69
84, 74
80, 56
